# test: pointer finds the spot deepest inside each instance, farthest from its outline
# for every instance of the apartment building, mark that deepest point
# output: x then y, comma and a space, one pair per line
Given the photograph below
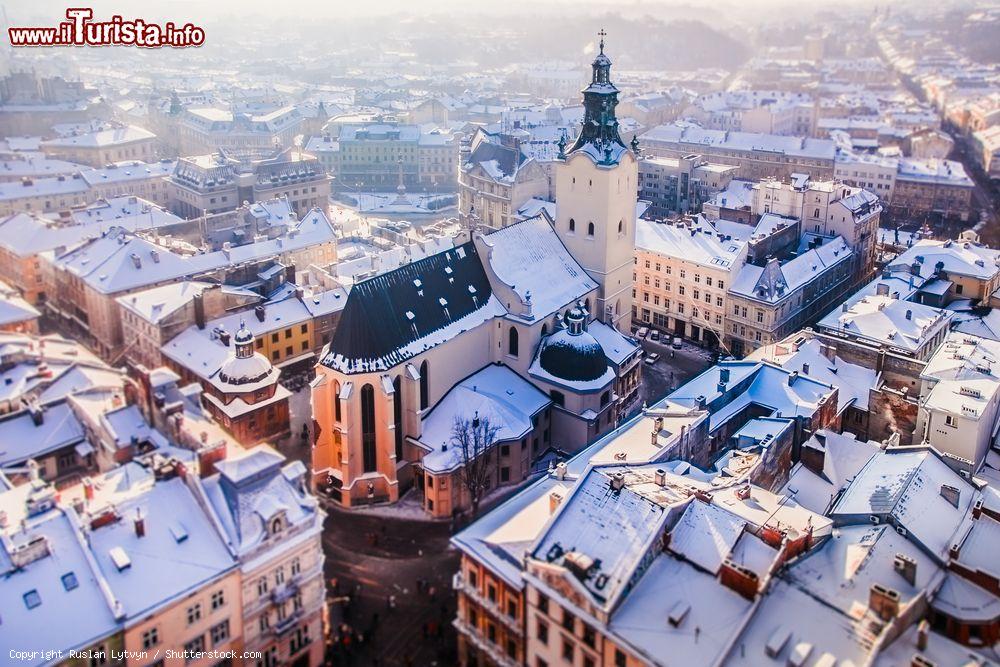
84, 283
216, 183
680, 185
757, 156
282, 590
149, 557
104, 146
769, 302
377, 155
933, 186
198, 130
827, 208
683, 271
61, 193
496, 178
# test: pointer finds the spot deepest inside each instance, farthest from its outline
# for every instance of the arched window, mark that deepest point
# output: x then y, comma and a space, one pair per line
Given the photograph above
590, 229
397, 416
572, 225
337, 413
368, 428
586, 305
545, 330
512, 342
621, 226
276, 526
424, 386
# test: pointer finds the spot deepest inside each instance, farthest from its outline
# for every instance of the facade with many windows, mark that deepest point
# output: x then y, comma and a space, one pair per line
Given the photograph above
683, 271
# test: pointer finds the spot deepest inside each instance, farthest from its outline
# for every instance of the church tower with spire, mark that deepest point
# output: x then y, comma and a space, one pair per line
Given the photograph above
596, 195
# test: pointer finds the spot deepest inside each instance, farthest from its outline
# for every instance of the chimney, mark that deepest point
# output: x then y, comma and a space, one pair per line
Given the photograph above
224, 337
660, 477
155, 254
906, 567
199, 310
140, 524
923, 632
884, 602
259, 312
951, 494
561, 471
37, 413
844, 308
88, 489
909, 314
658, 424
555, 499
723, 376
743, 493
792, 377
805, 369
700, 402
136, 260
617, 481
813, 455
739, 579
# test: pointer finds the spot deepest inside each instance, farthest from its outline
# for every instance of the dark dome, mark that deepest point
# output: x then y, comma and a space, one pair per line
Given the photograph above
573, 356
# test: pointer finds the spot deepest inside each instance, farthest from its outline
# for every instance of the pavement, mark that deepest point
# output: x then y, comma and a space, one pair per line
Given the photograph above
674, 368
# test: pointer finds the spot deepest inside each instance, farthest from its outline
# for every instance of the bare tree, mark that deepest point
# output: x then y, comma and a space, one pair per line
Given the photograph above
474, 438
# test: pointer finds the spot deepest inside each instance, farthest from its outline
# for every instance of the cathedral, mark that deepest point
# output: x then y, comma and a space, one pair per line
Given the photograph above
519, 328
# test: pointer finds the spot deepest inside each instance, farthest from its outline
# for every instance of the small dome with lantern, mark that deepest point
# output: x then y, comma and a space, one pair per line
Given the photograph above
572, 353
245, 366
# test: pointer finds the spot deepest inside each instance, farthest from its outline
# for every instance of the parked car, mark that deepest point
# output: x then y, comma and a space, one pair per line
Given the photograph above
676, 344
652, 358
654, 335
642, 332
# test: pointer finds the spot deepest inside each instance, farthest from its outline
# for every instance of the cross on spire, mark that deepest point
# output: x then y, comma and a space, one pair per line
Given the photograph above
602, 34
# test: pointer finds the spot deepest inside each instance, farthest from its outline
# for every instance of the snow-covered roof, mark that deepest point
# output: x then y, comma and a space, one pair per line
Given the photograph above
689, 136
73, 610
529, 258
21, 438
776, 281
180, 541
251, 489
962, 258
759, 383
495, 393
698, 241
705, 535
853, 381
615, 529
713, 614
933, 170
908, 485
885, 320
843, 457
157, 303
101, 138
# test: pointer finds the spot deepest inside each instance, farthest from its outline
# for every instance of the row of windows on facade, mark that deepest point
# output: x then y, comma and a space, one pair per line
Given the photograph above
682, 273
151, 636
591, 228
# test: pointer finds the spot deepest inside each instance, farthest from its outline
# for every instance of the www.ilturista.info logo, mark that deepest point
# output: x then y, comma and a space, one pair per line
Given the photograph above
81, 30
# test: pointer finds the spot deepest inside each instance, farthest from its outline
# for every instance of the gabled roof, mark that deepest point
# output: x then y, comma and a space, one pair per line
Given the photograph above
394, 316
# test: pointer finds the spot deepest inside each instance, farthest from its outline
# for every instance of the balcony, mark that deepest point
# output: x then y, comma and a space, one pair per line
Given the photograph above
461, 586
287, 623
494, 653
285, 592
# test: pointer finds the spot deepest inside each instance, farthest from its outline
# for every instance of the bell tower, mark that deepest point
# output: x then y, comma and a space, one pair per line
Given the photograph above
596, 196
